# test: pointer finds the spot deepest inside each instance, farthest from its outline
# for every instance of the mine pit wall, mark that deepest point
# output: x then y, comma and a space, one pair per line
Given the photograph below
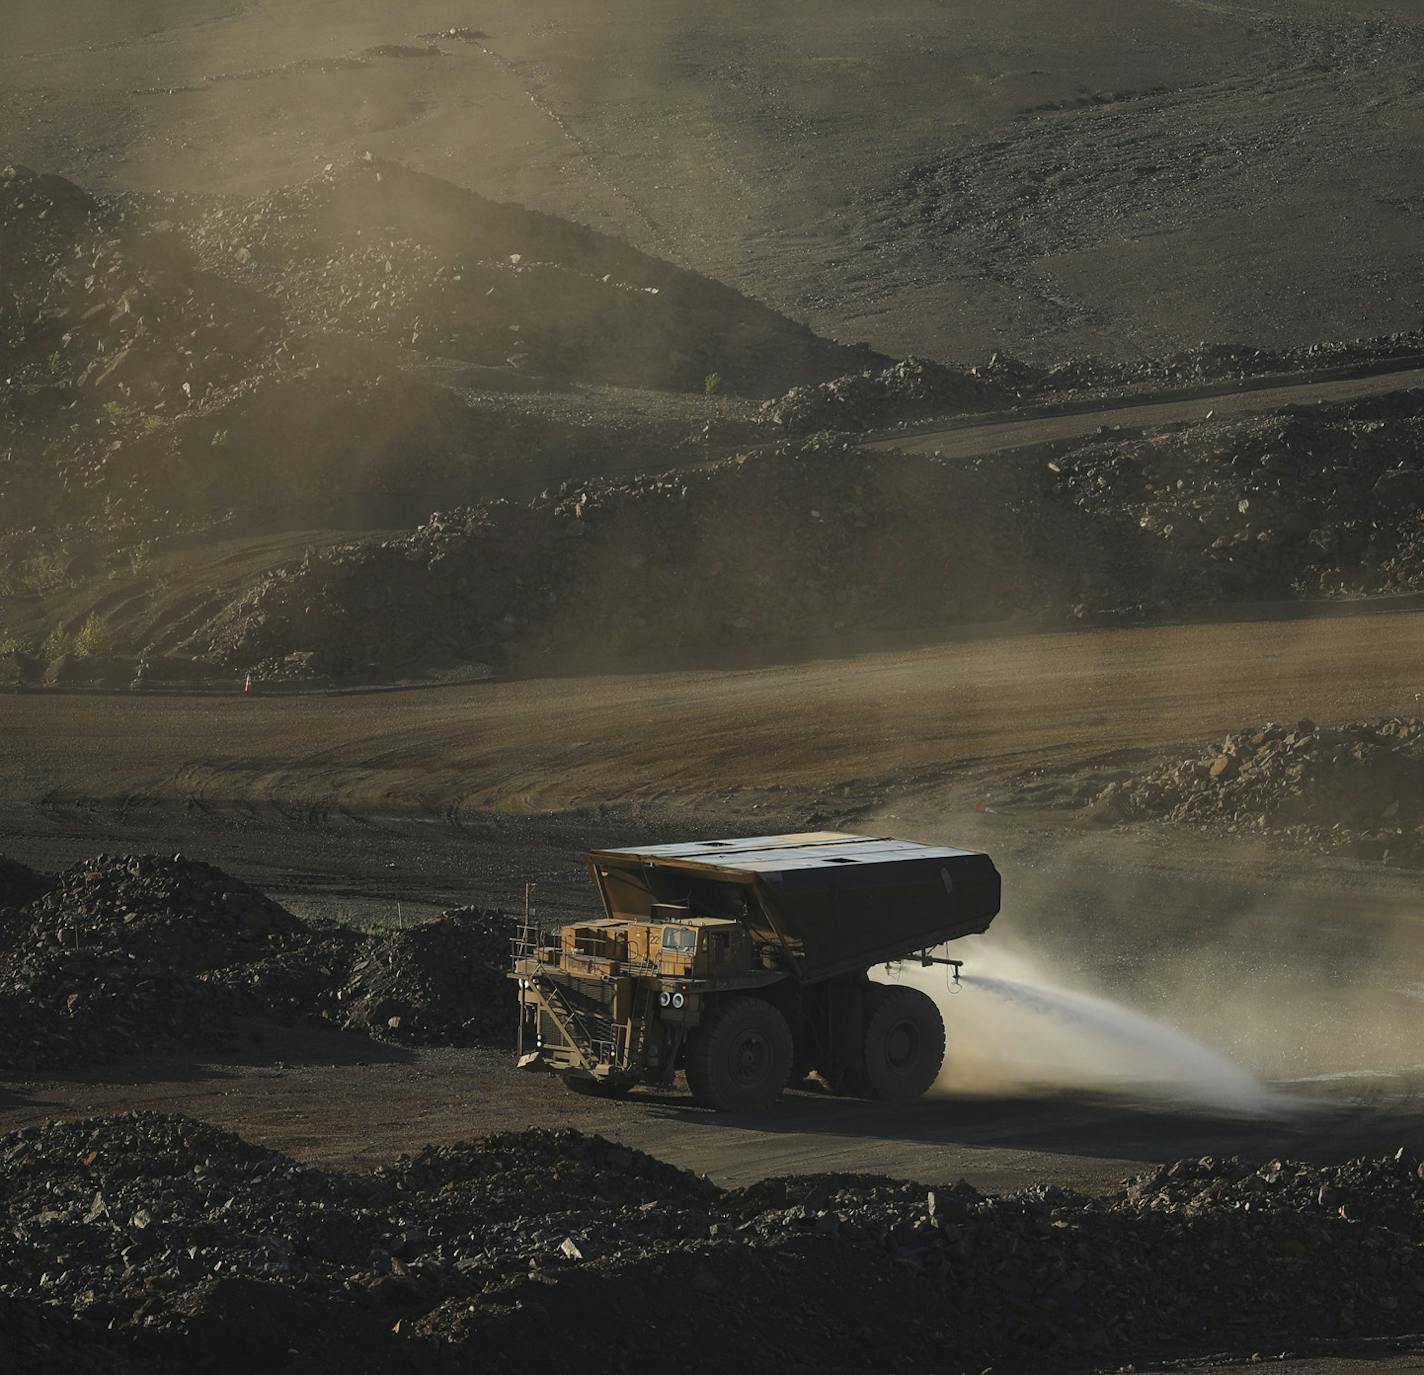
786, 545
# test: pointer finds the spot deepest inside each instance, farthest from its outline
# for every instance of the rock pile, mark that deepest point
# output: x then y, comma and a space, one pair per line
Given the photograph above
134, 954
916, 389
1358, 787
442, 983
179, 363
107, 333
911, 389
378, 250
1310, 502
19, 885
1211, 363
813, 537
38, 1340
109, 301
159, 1239
775, 545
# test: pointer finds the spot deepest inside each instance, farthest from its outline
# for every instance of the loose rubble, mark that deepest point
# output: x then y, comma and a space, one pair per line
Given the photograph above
1212, 363
183, 366
803, 539
19, 884
124, 955
153, 1239
918, 389
176, 364
441, 983
1309, 502
1357, 787
908, 390
819, 537
380, 250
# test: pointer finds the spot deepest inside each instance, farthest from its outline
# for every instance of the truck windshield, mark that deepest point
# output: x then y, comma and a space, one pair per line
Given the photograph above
678, 938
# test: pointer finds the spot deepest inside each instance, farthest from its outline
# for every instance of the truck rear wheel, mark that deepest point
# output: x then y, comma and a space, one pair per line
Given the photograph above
740, 1056
904, 1044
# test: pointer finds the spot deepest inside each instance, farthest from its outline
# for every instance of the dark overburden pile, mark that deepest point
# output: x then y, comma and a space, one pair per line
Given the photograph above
19, 885
1358, 787
775, 545
39, 1340
134, 954
176, 1246
918, 389
104, 299
911, 389
374, 248
1210, 363
789, 543
176, 364
1323, 501
441, 983
146, 395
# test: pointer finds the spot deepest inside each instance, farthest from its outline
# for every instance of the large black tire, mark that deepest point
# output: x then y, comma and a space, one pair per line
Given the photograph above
904, 1044
740, 1056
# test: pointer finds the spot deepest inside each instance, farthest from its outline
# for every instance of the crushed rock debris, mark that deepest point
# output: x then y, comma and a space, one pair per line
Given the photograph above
1358, 787
152, 1241
818, 537
139, 954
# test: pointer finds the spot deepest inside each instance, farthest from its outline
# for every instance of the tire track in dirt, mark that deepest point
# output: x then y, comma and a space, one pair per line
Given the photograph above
717, 740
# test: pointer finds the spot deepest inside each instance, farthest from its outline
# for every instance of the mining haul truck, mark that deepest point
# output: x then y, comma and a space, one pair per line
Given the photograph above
746, 964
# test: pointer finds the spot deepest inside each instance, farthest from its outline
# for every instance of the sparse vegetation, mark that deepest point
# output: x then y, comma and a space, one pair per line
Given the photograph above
152, 423
219, 438
13, 644
141, 562
712, 383
94, 640
57, 644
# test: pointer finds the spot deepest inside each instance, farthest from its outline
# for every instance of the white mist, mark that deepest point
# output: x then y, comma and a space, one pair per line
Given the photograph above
1011, 1027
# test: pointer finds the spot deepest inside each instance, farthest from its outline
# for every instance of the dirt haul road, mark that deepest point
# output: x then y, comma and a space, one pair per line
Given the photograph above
729, 740
976, 435
1296, 966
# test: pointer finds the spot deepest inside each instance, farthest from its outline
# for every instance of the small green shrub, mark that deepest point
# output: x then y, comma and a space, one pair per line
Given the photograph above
56, 363
140, 563
13, 644
152, 423
113, 410
219, 438
57, 644
94, 640
712, 383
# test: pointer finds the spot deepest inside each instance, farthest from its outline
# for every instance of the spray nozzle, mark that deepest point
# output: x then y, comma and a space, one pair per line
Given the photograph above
926, 960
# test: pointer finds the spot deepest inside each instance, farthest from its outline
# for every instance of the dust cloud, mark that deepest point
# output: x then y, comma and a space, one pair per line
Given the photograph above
1012, 1027
1163, 960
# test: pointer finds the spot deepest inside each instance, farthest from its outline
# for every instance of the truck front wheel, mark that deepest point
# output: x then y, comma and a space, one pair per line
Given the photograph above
740, 1056
904, 1044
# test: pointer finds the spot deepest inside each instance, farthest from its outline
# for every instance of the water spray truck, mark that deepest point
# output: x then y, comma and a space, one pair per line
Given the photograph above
746, 964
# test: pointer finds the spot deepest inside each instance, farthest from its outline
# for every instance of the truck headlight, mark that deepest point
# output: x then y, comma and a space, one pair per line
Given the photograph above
678, 1000
664, 998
